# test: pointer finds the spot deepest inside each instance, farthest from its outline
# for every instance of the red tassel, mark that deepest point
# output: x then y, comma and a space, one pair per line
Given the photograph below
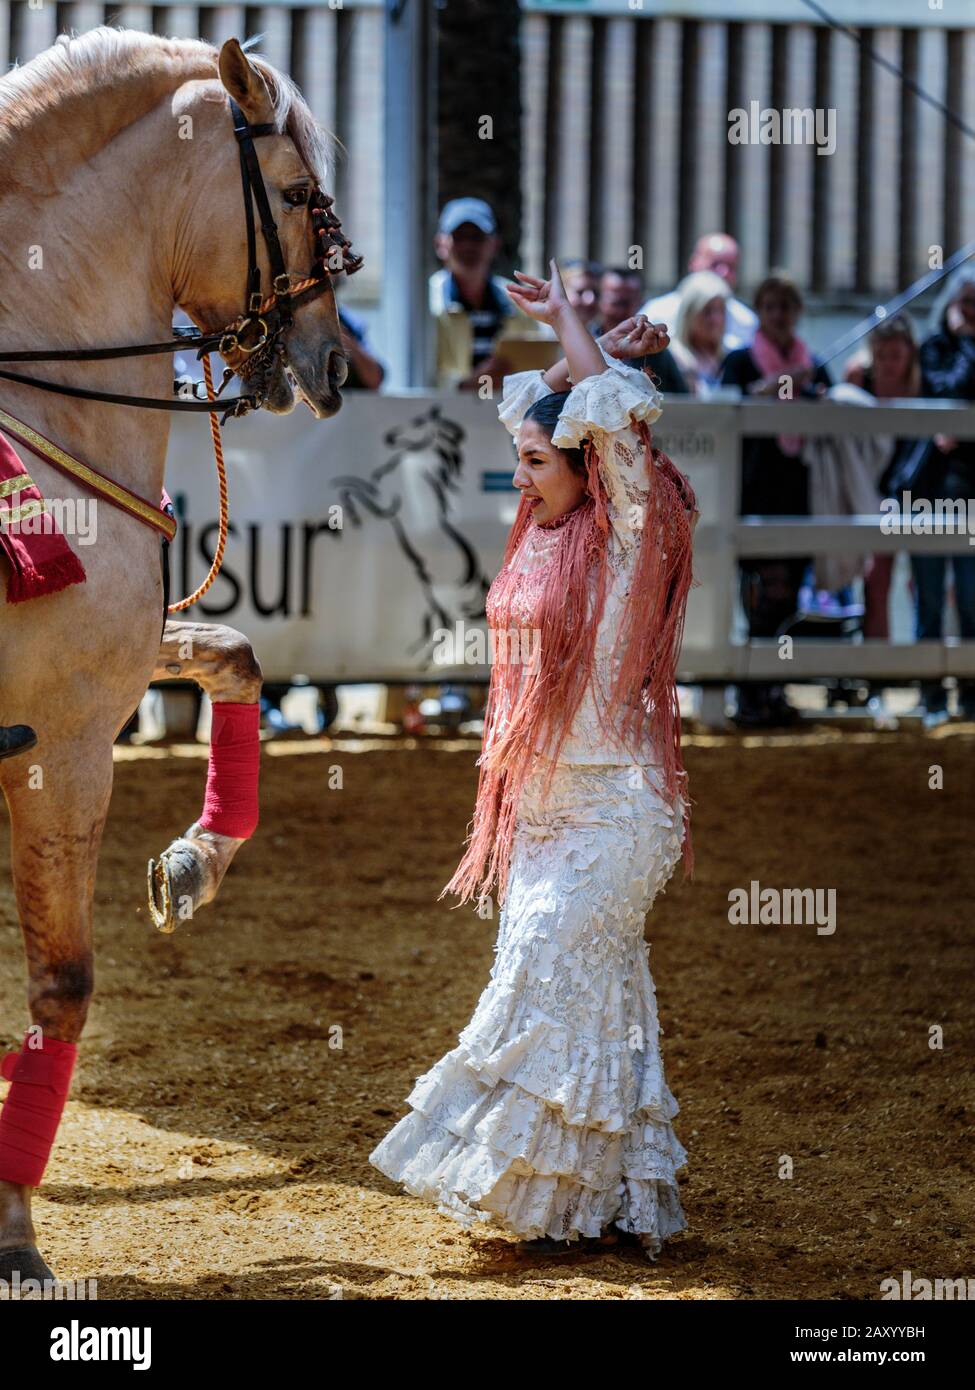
26, 582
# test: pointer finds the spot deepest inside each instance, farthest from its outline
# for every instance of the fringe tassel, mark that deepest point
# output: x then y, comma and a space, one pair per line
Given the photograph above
652, 628
27, 583
528, 708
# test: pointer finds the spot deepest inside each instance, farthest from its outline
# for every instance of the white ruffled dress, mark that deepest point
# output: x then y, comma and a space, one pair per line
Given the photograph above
552, 1116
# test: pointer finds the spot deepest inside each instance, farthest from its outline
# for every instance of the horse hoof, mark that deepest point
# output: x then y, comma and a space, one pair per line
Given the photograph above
16, 1266
176, 882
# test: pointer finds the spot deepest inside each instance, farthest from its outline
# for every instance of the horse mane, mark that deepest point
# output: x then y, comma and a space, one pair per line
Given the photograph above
77, 64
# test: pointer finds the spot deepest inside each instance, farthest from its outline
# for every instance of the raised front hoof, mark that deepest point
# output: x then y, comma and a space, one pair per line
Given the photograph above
176, 883
17, 1266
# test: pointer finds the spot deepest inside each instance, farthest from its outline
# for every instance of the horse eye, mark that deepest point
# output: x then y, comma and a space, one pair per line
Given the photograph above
296, 197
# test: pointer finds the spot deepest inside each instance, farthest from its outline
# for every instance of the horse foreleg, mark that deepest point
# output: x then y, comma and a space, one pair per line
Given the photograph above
189, 873
56, 828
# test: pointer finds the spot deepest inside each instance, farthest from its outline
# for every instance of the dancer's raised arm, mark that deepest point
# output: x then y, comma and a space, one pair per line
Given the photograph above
546, 301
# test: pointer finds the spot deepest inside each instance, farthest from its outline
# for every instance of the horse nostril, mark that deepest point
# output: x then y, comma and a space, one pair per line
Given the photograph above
338, 369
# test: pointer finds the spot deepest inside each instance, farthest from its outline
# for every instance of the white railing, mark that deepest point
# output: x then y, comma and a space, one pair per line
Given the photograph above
711, 652
352, 605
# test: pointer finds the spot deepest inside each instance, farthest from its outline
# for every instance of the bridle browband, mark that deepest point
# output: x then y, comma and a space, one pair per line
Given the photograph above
251, 340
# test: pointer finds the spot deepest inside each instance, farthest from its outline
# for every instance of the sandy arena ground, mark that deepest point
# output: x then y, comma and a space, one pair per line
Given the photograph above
216, 1144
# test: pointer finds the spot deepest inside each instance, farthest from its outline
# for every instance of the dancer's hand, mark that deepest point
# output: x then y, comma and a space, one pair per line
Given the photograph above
543, 300
635, 337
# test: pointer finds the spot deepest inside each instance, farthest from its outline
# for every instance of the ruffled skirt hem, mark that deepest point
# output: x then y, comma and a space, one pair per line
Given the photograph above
491, 1152
475, 1185
552, 1116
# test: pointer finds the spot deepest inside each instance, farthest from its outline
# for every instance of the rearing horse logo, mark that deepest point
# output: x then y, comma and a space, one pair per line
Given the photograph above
427, 450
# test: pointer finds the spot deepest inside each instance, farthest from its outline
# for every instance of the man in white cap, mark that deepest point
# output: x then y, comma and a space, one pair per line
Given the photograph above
717, 252
470, 304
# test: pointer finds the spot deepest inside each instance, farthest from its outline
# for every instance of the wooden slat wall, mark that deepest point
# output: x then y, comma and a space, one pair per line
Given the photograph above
709, 166
880, 176
960, 209
658, 150
751, 162
536, 52
927, 130
836, 223
570, 149
855, 224
625, 134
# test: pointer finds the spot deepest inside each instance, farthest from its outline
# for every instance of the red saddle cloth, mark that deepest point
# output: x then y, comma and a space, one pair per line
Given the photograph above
40, 558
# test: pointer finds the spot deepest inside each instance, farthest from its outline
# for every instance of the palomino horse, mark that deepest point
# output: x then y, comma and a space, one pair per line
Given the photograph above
120, 198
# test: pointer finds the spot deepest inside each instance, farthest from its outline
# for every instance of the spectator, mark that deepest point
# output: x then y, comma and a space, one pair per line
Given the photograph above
366, 371
889, 368
717, 252
698, 330
948, 372
619, 290
619, 296
774, 478
581, 281
470, 304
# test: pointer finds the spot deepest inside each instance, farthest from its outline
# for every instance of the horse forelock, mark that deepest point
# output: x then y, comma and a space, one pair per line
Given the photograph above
317, 147
76, 65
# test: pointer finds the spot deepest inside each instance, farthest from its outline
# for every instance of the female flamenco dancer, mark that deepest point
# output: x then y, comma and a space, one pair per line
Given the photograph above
551, 1119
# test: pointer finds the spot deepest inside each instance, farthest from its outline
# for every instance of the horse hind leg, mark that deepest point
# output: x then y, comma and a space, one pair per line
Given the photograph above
56, 831
188, 874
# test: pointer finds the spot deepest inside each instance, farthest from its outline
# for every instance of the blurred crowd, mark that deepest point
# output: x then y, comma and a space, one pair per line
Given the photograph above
716, 341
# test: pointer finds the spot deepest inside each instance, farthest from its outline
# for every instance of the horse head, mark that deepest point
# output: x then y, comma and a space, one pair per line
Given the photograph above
211, 283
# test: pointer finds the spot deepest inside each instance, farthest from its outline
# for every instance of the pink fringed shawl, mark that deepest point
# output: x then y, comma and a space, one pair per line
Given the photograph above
533, 706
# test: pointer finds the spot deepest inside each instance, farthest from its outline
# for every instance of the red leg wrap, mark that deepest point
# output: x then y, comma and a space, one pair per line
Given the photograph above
41, 1079
235, 760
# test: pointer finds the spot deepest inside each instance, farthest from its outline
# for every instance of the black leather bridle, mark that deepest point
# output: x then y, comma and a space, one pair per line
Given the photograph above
250, 342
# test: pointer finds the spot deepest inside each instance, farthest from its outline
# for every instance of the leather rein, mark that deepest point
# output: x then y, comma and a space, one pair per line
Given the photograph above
250, 342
